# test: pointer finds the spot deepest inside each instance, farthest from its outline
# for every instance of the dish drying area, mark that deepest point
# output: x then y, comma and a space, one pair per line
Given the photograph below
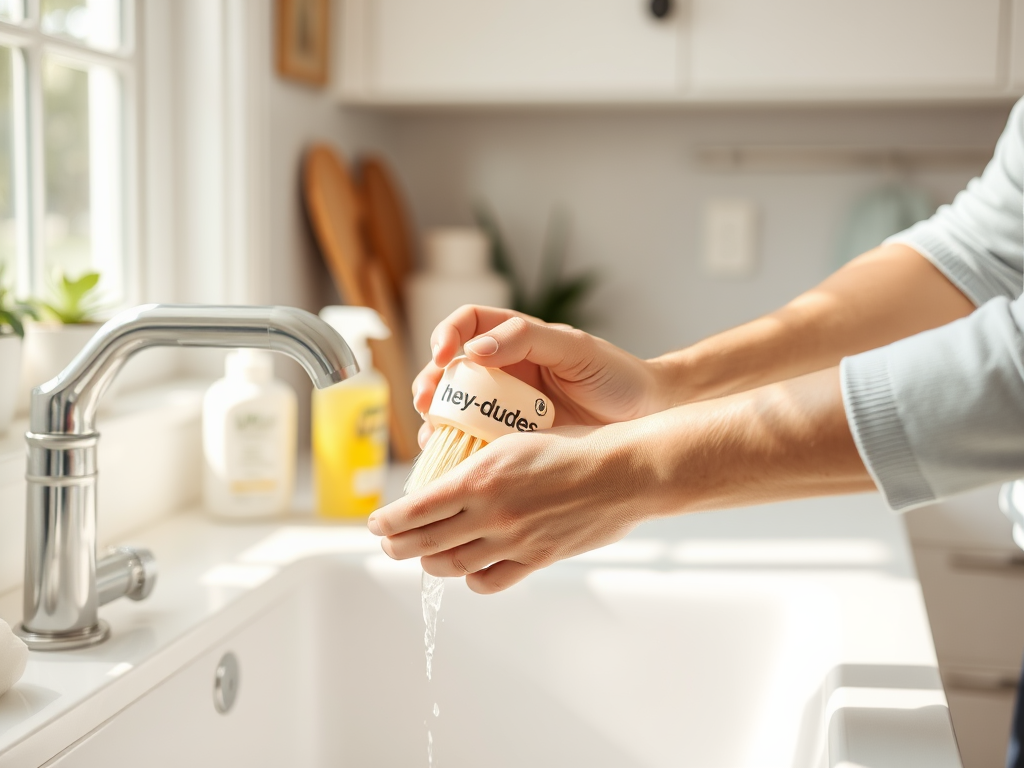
791, 635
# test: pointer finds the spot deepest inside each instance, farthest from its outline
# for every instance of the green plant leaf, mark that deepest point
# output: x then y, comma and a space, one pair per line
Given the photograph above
12, 320
556, 243
12, 313
74, 300
557, 299
85, 283
500, 257
26, 309
561, 303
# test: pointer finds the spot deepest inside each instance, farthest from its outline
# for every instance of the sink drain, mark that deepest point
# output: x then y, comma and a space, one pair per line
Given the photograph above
225, 683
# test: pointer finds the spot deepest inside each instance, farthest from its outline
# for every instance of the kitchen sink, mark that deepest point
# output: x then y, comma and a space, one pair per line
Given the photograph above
792, 635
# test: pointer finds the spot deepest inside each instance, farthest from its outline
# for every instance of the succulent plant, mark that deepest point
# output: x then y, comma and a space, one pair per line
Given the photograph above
12, 311
74, 300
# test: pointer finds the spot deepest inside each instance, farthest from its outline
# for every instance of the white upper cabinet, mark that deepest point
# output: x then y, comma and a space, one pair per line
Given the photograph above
617, 51
502, 50
875, 48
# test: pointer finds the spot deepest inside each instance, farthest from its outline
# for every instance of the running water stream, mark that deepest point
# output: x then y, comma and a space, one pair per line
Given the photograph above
431, 591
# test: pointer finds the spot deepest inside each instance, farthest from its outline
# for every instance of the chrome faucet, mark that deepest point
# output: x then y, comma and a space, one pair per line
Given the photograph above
64, 583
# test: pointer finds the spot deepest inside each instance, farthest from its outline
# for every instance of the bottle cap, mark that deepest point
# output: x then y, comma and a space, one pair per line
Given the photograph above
253, 365
487, 402
357, 325
457, 251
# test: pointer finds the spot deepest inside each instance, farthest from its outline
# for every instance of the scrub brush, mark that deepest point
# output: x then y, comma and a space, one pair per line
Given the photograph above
474, 406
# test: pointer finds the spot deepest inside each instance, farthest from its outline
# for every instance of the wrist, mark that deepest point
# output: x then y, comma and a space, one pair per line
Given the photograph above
681, 377
634, 461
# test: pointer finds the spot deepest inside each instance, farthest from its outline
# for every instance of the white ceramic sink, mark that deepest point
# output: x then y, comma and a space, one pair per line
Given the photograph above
790, 636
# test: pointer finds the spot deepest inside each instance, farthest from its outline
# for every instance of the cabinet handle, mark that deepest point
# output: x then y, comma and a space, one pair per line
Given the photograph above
660, 9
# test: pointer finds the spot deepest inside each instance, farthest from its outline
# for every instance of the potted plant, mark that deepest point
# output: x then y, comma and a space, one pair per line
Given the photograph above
12, 331
557, 298
70, 319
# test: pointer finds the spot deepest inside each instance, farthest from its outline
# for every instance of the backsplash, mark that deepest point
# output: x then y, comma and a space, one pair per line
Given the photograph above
635, 192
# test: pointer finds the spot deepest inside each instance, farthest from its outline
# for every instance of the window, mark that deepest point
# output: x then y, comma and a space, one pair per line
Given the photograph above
67, 127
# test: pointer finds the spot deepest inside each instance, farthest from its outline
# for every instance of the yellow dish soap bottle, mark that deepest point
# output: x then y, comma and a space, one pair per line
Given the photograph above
350, 424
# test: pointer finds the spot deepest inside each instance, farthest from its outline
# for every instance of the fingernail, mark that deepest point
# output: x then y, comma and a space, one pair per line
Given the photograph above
484, 346
374, 528
433, 352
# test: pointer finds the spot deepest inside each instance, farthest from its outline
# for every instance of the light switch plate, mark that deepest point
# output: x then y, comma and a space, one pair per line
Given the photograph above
730, 237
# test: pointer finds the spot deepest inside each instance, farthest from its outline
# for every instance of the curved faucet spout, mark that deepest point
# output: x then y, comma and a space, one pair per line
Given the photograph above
62, 594
67, 404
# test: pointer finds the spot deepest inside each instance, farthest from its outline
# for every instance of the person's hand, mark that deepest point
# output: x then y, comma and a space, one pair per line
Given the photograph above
522, 503
590, 381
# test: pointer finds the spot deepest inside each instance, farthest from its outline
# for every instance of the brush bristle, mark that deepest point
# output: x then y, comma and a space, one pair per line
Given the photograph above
446, 449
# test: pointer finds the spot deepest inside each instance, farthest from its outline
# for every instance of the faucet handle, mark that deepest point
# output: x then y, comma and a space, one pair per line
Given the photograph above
125, 572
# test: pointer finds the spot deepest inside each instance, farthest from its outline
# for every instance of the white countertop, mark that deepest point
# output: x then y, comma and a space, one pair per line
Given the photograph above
851, 546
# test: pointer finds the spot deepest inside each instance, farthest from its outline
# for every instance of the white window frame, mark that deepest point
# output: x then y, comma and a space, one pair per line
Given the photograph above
29, 44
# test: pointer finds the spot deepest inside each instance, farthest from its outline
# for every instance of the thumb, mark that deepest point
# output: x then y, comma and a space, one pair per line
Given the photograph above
561, 348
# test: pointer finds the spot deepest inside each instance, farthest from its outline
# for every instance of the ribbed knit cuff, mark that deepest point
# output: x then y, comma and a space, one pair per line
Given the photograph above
955, 265
874, 420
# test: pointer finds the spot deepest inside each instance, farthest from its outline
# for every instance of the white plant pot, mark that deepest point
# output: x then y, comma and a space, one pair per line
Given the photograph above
10, 378
49, 347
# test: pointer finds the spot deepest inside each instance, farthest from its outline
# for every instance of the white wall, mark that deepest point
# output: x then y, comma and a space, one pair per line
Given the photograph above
299, 116
634, 191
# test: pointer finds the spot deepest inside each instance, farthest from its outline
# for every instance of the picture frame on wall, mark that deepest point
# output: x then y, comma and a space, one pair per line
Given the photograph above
302, 40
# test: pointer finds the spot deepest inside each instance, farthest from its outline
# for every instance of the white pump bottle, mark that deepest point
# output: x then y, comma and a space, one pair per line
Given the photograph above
249, 439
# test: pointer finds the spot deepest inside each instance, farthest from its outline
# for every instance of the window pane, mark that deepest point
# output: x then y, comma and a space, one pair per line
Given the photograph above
8, 247
12, 10
94, 22
82, 147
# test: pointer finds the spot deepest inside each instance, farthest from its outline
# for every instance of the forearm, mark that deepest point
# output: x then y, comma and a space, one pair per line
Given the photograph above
887, 294
781, 441
528, 500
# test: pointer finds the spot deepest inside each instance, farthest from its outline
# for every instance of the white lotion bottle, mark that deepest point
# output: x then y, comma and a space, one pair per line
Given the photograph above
458, 271
250, 421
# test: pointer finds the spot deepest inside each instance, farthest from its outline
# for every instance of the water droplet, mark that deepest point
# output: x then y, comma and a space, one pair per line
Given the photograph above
437, 710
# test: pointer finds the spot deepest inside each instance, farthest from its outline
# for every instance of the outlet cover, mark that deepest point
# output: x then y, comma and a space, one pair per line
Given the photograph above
730, 237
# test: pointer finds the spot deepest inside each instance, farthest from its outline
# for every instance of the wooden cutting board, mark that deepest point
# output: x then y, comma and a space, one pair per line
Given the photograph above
337, 217
388, 234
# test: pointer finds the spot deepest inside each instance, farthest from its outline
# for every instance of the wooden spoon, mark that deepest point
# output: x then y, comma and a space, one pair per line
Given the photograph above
387, 228
337, 216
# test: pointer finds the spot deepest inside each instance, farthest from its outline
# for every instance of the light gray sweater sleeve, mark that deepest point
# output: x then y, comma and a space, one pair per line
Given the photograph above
943, 411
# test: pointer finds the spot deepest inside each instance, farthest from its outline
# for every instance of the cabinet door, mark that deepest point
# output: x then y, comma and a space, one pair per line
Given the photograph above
843, 48
511, 49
